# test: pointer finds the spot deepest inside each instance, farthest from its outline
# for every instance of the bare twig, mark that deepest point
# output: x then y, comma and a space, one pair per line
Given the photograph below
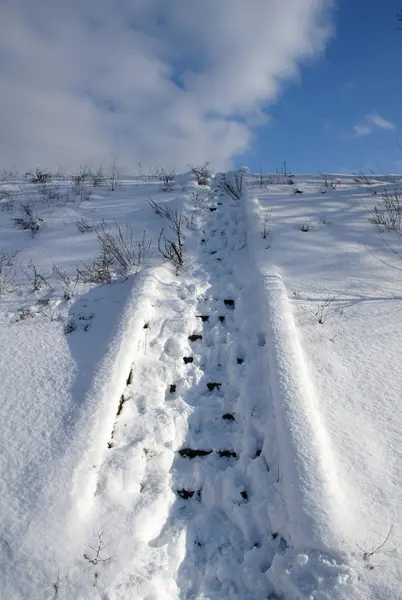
159, 209
29, 220
113, 173
55, 587
172, 250
83, 226
67, 284
233, 185
97, 557
388, 214
322, 312
37, 279
369, 553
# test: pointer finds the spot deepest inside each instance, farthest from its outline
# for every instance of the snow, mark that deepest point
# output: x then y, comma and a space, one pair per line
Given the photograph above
259, 460
351, 357
310, 484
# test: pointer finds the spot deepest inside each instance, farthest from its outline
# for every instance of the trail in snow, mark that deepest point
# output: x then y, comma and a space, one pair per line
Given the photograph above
222, 474
187, 494
188, 497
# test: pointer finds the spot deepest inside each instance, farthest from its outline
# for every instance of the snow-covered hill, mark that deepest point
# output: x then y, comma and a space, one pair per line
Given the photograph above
222, 429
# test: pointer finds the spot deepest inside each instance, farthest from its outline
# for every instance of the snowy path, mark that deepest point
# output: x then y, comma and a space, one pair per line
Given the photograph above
188, 500
187, 493
229, 541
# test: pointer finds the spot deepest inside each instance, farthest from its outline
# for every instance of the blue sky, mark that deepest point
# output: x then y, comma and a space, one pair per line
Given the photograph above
313, 122
256, 82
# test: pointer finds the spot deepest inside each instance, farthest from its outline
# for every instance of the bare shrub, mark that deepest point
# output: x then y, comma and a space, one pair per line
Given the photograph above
363, 179
202, 174
330, 181
387, 215
160, 209
281, 176
40, 176
80, 187
266, 230
83, 226
322, 310
84, 174
98, 177
262, 180
120, 254
67, 284
173, 250
98, 272
167, 177
29, 220
51, 193
124, 253
23, 313
32, 273
306, 226
233, 185
7, 273
114, 173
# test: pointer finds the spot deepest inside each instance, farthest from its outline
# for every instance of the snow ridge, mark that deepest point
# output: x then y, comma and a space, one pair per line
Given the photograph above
315, 501
315, 507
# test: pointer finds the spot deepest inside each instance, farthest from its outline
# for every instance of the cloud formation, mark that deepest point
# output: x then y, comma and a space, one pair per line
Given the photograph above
379, 121
152, 81
361, 130
372, 120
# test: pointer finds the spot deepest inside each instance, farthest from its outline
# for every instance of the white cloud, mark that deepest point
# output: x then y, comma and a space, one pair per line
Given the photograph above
361, 130
379, 121
372, 120
152, 81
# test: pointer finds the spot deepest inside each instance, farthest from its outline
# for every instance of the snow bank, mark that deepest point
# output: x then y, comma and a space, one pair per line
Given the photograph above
109, 384
307, 474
